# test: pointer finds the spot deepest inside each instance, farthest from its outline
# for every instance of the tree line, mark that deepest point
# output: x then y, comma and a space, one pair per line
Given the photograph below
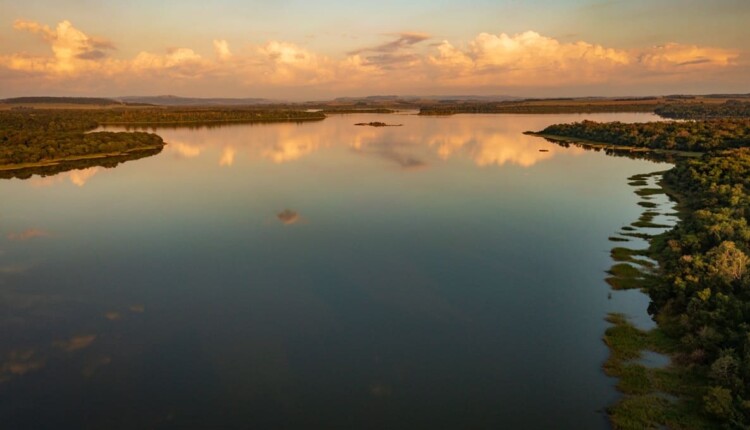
700, 294
728, 109
697, 136
34, 136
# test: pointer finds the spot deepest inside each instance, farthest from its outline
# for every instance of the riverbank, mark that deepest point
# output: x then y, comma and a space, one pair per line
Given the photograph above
699, 290
652, 395
591, 144
75, 158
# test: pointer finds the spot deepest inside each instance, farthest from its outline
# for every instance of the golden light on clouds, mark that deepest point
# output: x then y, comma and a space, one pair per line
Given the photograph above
408, 60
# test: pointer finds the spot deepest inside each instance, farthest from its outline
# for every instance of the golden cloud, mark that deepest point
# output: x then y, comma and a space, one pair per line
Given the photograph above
221, 47
523, 59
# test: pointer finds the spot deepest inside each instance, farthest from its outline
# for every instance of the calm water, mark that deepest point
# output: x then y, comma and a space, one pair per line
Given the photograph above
442, 274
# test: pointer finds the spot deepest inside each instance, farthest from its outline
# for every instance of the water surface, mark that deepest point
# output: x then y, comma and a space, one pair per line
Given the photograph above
447, 273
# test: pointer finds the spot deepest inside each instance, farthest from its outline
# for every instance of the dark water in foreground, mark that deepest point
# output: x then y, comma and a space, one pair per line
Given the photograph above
443, 274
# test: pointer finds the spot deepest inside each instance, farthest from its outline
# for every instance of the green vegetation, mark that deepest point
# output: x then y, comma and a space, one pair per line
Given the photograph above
32, 139
200, 116
61, 100
654, 397
700, 291
693, 136
536, 108
39, 138
728, 109
60, 166
335, 111
618, 239
21, 149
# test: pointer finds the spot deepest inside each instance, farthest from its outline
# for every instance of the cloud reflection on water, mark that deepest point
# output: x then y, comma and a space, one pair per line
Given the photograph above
419, 143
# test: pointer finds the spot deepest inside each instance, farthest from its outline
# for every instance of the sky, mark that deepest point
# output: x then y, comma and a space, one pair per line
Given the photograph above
301, 50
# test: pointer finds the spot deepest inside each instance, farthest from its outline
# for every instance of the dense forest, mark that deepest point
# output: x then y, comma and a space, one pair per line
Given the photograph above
527, 108
728, 109
700, 293
62, 100
29, 147
36, 136
109, 161
698, 136
703, 297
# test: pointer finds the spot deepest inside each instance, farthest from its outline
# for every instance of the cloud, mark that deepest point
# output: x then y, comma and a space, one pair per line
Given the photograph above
68, 45
221, 47
528, 59
403, 40
81, 62
396, 52
28, 234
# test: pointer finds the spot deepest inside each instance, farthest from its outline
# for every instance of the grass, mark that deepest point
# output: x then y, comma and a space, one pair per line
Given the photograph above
625, 276
618, 239
638, 183
625, 270
653, 397
668, 397
648, 224
628, 255
649, 191
644, 236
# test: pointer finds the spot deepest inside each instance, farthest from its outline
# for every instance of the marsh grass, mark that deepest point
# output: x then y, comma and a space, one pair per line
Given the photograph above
653, 397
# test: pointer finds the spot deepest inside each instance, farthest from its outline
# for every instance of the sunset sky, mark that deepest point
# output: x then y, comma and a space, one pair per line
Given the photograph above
301, 50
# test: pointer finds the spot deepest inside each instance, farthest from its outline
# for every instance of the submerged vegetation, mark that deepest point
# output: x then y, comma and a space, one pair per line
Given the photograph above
700, 290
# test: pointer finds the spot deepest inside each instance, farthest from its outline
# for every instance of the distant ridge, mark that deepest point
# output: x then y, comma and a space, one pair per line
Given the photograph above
435, 98
62, 100
170, 100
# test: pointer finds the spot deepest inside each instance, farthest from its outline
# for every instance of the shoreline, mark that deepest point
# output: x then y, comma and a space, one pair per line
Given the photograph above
58, 161
609, 146
216, 121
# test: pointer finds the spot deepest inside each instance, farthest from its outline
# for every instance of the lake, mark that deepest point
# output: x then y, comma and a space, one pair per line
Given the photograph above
446, 273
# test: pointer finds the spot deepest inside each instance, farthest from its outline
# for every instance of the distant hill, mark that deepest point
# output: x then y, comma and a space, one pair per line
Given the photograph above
434, 99
61, 100
194, 101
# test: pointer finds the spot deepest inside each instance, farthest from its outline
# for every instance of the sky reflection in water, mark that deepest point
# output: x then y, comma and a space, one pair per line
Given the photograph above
441, 274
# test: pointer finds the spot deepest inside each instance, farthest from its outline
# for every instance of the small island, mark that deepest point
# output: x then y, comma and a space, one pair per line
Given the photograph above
377, 124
